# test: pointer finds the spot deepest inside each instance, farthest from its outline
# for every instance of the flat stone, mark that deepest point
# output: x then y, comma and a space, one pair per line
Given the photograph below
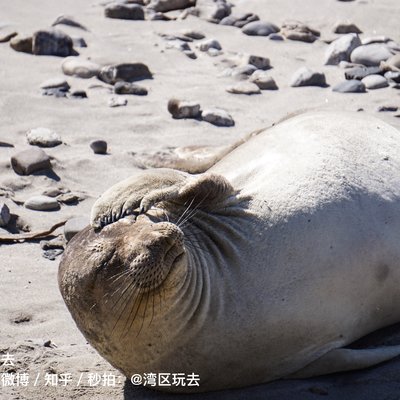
260, 28
55, 83
31, 160
375, 82
74, 226
43, 137
247, 88
5, 215
263, 81
99, 146
370, 55
117, 102
124, 11
22, 43
341, 49
184, 109
170, 5
209, 44
129, 88
387, 108
42, 203
306, 77
350, 86
75, 66
69, 21
218, 117
195, 35
52, 42
294, 30
346, 27
361, 72
7, 36
128, 72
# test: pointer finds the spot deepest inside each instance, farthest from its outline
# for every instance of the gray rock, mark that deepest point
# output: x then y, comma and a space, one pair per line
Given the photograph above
375, 82
387, 108
31, 160
306, 77
263, 81
184, 109
350, 86
170, 5
52, 42
275, 36
42, 203
22, 43
209, 44
260, 28
258, 61
195, 35
247, 88
69, 21
294, 30
129, 88
239, 21
370, 55
341, 49
55, 83
346, 27
5, 215
99, 146
117, 102
361, 72
124, 11
43, 137
218, 117
393, 76
75, 66
242, 72
51, 254
128, 72
74, 226
213, 10
7, 36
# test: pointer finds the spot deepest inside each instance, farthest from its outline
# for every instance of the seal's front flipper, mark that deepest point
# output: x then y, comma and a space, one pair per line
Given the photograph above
340, 360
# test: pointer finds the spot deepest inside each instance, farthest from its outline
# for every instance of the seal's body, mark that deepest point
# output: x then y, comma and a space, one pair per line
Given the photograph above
265, 267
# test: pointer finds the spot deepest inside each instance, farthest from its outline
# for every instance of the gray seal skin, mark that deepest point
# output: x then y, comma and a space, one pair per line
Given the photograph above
266, 266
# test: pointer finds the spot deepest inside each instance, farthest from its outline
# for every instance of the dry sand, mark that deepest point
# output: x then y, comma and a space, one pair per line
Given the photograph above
32, 311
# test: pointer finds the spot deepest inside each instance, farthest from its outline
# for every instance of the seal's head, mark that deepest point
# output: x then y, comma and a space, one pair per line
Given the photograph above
117, 284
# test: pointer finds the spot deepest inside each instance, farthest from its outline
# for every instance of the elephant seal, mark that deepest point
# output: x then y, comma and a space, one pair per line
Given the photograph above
267, 266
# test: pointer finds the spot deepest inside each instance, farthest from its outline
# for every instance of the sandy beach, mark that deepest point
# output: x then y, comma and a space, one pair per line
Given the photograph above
36, 328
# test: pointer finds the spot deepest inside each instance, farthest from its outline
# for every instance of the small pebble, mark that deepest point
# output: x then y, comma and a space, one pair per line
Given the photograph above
260, 28
79, 94
195, 35
375, 82
99, 146
346, 27
209, 44
43, 137
258, 61
247, 88
306, 77
31, 160
68, 198
275, 36
22, 43
218, 117
350, 86
117, 102
263, 81
5, 215
74, 226
129, 88
42, 203
184, 109
128, 72
52, 254
387, 108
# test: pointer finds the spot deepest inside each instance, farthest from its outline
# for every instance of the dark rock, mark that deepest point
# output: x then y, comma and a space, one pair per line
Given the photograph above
99, 146
124, 11
361, 72
6, 37
350, 86
79, 94
52, 43
217, 117
346, 27
260, 28
129, 72
170, 5
55, 83
52, 244
22, 43
183, 109
129, 88
294, 30
387, 108
28, 161
56, 92
195, 35
5, 215
306, 77
69, 21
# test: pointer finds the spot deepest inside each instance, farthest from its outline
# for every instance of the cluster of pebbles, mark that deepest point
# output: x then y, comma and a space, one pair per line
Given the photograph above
368, 63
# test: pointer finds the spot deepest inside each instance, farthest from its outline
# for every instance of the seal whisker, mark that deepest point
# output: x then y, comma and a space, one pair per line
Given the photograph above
136, 312
144, 314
